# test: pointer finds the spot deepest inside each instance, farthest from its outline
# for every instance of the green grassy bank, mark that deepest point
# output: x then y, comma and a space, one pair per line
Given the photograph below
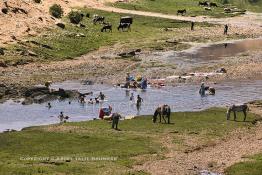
138, 137
251, 167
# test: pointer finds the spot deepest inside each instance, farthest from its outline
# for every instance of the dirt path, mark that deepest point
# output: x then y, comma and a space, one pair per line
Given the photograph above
214, 158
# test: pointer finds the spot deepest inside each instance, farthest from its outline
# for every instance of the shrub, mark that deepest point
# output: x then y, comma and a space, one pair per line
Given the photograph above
56, 11
75, 17
225, 2
37, 1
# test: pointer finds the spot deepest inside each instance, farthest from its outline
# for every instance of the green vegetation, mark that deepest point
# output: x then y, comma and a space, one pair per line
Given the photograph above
75, 17
37, 1
138, 136
192, 7
56, 11
73, 41
251, 5
251, 167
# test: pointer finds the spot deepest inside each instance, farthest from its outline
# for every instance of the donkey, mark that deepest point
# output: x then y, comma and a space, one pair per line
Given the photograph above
182, 12
163, 111
237, 108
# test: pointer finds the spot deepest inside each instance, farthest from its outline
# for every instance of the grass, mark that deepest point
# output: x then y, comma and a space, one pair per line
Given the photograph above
138, 136
251, 167
147, 33
171, 7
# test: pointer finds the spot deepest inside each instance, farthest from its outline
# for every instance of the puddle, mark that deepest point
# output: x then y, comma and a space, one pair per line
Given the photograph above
181, 98
208, 54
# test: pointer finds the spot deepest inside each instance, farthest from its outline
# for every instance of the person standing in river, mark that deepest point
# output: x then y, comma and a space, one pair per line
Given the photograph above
101, 96
202, 90
139, 102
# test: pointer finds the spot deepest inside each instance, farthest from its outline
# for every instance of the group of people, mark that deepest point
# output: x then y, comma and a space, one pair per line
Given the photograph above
132, 82
101, 97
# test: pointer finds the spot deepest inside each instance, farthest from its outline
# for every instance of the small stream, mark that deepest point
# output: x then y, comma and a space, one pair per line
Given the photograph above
181, 98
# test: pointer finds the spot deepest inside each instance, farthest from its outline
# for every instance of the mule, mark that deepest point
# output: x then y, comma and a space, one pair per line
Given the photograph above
237, 108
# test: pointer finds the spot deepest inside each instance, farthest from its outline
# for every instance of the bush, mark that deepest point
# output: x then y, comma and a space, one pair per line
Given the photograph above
56, 11
75, 17
37, 1
225, 2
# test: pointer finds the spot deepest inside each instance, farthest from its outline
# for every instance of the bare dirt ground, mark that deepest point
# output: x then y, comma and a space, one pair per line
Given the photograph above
214, 157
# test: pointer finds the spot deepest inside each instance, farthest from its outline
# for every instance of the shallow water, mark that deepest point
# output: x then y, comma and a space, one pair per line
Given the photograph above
211, 53
181, 98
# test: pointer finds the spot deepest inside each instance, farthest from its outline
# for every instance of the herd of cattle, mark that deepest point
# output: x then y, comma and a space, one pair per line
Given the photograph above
124, 24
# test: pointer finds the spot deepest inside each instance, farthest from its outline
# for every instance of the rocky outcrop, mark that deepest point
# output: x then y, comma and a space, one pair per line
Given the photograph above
36, 94
41, 94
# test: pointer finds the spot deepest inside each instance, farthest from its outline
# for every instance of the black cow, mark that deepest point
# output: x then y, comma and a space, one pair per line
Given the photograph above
123, 26
126, 19
100, 19
107, 27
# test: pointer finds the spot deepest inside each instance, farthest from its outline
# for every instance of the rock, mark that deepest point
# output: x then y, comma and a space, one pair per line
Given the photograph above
2, 52
221, 70
31, 53
41, 19
82, 25
28, 101
41, 45
19, 10
87, 82
80, 35
61, 25
13, 37
35, 91
2, 90
138, 50
2, 63
11, 91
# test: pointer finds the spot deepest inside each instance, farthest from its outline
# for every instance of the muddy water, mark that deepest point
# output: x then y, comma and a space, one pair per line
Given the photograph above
181, 98
210, 53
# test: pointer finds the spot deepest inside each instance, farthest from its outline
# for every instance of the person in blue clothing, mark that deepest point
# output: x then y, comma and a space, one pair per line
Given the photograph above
144, 83
202, 89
